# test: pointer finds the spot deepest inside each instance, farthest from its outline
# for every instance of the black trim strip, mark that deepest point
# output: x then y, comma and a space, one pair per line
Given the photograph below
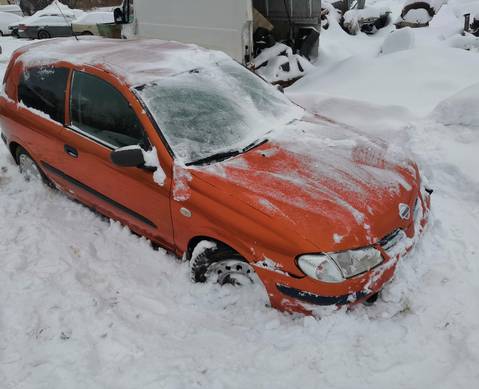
4, 138
99, 195
320, 300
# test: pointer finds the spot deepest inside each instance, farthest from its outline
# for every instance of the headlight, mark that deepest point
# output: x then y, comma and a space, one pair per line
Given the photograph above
335, 267
417, 209
355, 262
320, 267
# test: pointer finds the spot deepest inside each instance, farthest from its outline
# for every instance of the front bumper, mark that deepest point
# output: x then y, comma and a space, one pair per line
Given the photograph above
311, 298
292, 294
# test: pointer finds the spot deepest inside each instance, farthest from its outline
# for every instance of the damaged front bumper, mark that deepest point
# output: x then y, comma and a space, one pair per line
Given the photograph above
292, 294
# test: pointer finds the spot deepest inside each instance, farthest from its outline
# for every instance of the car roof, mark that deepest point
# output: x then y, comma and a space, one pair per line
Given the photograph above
136, 61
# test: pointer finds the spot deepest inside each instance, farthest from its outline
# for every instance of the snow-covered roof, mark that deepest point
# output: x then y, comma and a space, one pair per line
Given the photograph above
57, 7
137, 62
95, 18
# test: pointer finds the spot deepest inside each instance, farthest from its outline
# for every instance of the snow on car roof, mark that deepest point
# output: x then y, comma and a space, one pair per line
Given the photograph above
137, 62
96, 17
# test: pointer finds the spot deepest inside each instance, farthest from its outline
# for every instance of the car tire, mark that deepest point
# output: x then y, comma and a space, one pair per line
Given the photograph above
220, 264
43, 34
86, 33
29, 168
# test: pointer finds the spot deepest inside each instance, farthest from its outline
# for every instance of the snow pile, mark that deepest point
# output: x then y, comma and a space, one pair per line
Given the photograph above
355, 17
271, 62
417, 16
398, 40
418, 78
58, 8
460, 109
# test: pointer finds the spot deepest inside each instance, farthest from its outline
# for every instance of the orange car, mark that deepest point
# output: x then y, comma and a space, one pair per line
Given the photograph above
195, 152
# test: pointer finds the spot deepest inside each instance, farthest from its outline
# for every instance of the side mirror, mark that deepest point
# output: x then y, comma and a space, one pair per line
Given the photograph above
129, 156
118, 16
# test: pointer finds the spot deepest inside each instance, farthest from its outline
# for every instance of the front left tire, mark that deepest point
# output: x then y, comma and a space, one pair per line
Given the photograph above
220, 264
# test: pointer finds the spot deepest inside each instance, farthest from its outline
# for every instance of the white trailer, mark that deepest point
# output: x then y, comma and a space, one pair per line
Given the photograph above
230, 26
224, 25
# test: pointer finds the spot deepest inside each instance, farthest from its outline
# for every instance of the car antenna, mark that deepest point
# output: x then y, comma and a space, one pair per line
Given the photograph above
66, 21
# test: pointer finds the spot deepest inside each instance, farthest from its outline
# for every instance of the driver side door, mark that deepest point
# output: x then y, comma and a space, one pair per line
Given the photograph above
100, 120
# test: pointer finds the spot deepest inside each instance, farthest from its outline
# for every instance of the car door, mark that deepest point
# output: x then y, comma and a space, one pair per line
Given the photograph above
102, 119
40, 115
58, 26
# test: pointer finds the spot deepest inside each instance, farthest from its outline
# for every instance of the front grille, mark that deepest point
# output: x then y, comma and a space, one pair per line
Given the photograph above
389, 241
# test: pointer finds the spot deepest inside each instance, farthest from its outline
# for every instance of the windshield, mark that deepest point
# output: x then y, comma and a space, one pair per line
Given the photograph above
215, 109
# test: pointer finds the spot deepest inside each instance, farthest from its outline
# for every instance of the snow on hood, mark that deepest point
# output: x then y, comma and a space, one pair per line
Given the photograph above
324, 180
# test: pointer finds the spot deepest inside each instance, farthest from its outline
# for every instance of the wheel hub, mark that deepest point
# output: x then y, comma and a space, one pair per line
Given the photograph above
232, 272
28, 168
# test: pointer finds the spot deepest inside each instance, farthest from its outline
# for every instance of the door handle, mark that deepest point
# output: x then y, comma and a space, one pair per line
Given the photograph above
71, 151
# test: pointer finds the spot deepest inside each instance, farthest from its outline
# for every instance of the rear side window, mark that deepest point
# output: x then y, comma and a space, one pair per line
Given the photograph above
43, 88
101, 111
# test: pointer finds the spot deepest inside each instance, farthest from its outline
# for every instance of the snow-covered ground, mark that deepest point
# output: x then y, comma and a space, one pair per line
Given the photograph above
86, 304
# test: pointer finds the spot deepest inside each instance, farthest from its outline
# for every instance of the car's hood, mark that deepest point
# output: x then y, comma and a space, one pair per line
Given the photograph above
330, 183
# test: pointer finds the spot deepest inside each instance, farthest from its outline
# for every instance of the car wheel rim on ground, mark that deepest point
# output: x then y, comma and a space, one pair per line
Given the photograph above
231, 271
28, 168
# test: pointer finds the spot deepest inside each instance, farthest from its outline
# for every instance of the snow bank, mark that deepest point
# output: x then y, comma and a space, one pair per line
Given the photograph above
417, 79
460, 109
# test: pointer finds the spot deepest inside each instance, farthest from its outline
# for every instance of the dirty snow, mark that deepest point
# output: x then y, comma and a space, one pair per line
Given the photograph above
87, 304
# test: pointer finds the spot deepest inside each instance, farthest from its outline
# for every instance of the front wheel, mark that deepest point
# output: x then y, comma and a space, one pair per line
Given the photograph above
44, 34
218, 263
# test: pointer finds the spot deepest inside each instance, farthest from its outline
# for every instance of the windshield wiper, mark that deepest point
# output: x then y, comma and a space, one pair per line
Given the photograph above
218, 157
253, 145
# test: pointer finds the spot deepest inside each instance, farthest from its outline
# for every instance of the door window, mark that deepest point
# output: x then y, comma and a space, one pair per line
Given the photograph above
101, 111
43, 89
